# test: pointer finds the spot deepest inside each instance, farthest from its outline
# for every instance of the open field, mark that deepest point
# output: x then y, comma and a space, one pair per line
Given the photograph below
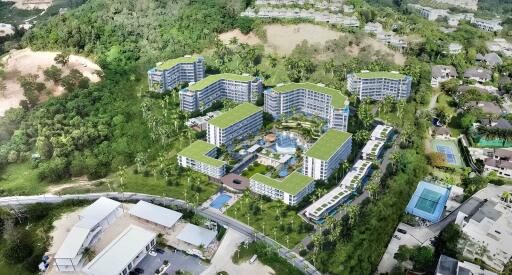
20, 179
31, 4
24, 62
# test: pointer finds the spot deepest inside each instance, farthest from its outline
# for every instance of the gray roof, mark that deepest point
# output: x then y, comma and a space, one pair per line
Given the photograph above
443, 71
447, 266
479, 73
500, 123
503, 153
487, 107
487, 211
155, 214
498, 163
492, 59
441, 131
196, 235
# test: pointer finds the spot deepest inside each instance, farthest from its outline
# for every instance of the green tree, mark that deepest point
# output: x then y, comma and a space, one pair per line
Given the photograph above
62, 59
53, 73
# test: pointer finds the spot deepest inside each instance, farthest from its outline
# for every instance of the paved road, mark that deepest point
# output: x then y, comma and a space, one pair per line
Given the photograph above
290, 256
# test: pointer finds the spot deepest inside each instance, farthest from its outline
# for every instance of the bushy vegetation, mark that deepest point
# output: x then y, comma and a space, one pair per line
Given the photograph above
267, 255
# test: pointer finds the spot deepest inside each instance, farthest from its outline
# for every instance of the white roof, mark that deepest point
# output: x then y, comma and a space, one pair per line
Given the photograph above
99, 209
154, 213
379, 130
196, 235
253, 148
73, 243
120, 252
367, 149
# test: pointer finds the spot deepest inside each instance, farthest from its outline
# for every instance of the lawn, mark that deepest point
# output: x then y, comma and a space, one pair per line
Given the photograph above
281, 224
446, 103
254, 168
20, 179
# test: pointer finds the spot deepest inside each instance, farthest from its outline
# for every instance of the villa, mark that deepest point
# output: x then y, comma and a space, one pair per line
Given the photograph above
381, 132
326, 154
442, 73
493, 25
313, 99
478, 74
201, 156
378, 85
451, 266
490, 59
238, 88
372, 150
340, 194
237, 123
171, 73
291, 189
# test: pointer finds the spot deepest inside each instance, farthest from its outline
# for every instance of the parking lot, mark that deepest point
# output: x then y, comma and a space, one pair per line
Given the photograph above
178, 260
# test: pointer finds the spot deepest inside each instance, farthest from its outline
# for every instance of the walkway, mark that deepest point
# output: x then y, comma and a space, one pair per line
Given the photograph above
246, 230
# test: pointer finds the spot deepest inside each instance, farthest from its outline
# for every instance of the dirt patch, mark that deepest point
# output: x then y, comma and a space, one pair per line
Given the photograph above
250, 38
24, 62
376, 45
31, 4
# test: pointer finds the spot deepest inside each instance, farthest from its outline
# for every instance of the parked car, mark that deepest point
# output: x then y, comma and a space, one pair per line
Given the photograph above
400, 230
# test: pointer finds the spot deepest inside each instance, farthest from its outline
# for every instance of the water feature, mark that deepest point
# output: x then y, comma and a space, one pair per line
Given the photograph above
286, 143
220, 200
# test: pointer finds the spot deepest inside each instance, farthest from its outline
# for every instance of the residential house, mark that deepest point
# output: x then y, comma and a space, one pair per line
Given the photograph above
478, 74
441, 73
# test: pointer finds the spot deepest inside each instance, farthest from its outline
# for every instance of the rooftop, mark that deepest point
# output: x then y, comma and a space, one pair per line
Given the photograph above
99, 209
328, 144
155, 214
173, 62
216, 77
389, 75
234, 115
121, 251
196, 235
337, 98
292, 184
198, 150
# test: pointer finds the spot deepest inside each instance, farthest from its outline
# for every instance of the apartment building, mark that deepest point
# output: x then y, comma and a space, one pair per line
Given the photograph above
201, 156
493, 25
326, 154
381, 132
202, 94
237, 123
429, 13
290, 190
372, 150
169, 74
340, 194
489, 233
315, 99
378, 85
442, 73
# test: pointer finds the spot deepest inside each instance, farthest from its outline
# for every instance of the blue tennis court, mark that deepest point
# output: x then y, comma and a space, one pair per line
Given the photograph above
450, 151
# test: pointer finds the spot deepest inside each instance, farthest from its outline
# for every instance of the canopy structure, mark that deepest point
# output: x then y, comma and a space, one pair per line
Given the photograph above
196, 235
155, 214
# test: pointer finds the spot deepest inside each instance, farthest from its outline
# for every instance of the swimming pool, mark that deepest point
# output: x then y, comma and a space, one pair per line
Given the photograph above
220, 200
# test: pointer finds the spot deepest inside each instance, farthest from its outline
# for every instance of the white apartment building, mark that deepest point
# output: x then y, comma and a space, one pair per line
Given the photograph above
372, 149
171, 73
442, 73
327, 153
237, 123
124, 253
488, 232
378, 85
315, 99
201, 156
202, 94
429, 13
340, 194
290, 190
381, 132
493, 25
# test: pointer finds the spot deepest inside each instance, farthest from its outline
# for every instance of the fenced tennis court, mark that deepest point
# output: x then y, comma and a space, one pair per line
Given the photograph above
450, 151
428, 201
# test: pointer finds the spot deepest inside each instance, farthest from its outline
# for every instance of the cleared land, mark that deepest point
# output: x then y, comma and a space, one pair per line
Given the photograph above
31, 4
26, 61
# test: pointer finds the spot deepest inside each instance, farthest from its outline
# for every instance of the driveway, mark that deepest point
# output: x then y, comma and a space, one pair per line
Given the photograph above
178, 260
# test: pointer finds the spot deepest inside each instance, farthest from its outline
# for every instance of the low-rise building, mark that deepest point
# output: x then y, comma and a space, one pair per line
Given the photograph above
478, 74
442, 73
124, 253
327, 153
487, 107
429, 13
315, 99
171, 73
291, 189
6, 29
454, 48
373, 27
201, 123
450, 266
490, 59
202, 94
381, 132
378, 85
237, 123
372, 150
488, 233
493, 25
201, 156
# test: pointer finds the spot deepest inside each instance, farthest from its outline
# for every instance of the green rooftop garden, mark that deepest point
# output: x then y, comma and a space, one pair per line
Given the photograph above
380, 75
292, 184
328, 144
173, 62
198, 150
234, 115
209, 80
337, 98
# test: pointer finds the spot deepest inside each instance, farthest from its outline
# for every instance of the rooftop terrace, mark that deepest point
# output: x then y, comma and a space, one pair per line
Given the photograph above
198, 150
173, 62
328, 144
209, 80
337, 98
292, 184
234, 115
388, 75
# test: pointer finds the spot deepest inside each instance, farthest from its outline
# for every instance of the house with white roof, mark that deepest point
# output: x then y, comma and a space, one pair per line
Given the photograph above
381, 132
372, 150
155, 214
93, 221
124, 253
373, 27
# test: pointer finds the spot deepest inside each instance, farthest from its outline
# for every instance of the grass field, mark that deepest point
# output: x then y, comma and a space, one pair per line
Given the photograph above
20, 179
258, 168
289, 234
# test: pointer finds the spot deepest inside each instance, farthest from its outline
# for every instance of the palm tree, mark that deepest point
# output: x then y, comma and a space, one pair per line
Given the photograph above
372, 187
344, 167
353, 213
506, 196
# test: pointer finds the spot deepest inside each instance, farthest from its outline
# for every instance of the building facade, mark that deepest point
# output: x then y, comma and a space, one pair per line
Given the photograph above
493, 25
326, 154
313, 99
169, 74
378, 85
237, 123
201, 156
202, 94
290, 190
